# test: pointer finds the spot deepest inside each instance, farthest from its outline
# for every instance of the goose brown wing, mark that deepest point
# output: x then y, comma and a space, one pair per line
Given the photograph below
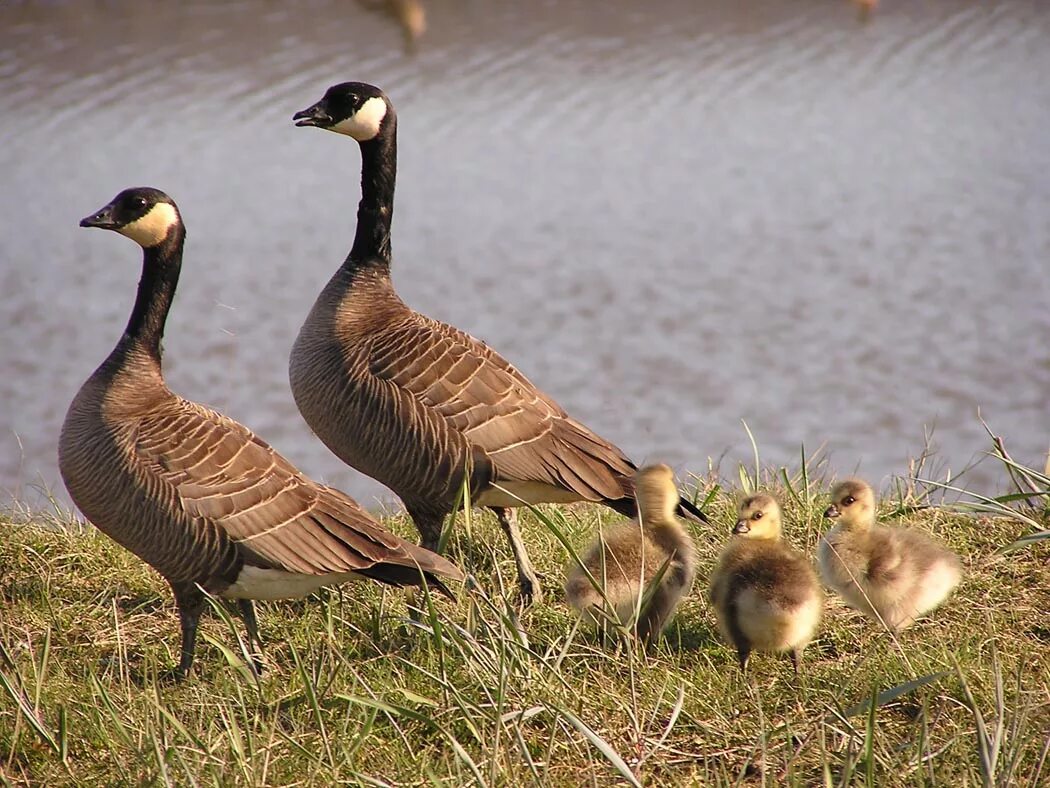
487, 401
223, 475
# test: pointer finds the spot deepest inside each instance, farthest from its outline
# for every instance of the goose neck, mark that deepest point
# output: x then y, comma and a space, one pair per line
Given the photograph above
161, 265
375, 211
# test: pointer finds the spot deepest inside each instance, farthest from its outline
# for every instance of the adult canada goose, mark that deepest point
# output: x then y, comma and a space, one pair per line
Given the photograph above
890, 574
194, 494
626, 559
765, 594
418, 404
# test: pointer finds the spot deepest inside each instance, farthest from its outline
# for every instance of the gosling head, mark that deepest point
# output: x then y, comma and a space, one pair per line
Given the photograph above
852, 503
145, 215
758, 518
656, 494
357, 109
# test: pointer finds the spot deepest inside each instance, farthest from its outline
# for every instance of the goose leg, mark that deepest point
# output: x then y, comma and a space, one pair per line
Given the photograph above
429, 527
190, 602
651, 623
736, 634
528, 580
743, 653
251, 623
796, 655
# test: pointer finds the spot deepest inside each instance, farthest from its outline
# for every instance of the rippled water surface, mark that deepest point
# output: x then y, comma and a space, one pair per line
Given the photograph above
673, 216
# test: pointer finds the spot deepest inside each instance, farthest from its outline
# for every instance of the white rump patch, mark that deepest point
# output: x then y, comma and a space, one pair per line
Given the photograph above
152, 228
364, 124
254, 582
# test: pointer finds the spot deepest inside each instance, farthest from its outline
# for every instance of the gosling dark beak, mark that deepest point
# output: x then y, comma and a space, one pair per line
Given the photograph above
832, 512
313, 116
741, 527
102, 219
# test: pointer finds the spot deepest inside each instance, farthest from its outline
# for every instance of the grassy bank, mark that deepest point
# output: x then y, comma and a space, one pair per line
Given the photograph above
358, 691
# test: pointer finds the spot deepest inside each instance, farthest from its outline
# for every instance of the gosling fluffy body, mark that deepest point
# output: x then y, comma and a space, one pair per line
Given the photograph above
765, 594
892, 574
625, 559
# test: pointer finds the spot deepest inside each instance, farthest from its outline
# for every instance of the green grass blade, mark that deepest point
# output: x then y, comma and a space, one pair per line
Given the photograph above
606, 749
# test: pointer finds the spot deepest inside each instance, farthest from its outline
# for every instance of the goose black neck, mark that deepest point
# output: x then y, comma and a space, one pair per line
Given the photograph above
160, 276
378, 174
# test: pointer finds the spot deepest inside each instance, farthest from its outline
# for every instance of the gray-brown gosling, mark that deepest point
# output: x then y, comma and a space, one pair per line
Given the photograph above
420, 405
194, 494
892, 574
765, 594
625, 560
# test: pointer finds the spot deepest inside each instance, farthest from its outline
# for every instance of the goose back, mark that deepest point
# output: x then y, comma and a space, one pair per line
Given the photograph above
412, 402
198, 495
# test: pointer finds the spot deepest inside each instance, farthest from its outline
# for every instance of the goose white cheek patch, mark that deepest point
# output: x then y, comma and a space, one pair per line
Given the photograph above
152, 228
364, 124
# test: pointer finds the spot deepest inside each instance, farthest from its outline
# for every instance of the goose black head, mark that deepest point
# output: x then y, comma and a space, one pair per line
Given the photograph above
356, 109
143, 214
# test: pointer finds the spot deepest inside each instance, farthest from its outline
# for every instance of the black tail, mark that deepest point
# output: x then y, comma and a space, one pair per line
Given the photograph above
627, 507
690, 512
401, 576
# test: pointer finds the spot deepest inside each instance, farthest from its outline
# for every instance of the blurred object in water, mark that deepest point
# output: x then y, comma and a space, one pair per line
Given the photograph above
865, 8
410, 15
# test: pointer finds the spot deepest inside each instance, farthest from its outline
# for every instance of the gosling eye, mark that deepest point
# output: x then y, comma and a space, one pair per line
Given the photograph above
756, 516
848, 500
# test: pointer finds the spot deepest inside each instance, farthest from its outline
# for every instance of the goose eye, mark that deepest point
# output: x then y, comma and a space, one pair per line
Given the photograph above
848, 500
756, 516
139, 202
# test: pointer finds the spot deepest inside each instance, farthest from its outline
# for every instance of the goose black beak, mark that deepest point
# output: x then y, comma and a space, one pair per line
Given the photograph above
313, 116
102, 219
832, 512
741, 527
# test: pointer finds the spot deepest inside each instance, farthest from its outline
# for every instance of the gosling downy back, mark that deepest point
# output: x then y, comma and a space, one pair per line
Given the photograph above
626, 559
765, 594
891, 574
420, 405
194, 494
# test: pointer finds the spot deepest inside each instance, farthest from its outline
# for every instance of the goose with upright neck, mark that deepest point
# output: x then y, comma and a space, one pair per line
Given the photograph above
420, 405
193, 493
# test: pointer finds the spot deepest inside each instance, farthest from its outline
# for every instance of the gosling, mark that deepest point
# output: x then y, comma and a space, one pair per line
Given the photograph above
626, 561
892, 575
765, 594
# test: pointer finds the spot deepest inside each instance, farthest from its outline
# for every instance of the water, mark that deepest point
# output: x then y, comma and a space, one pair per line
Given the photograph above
672, 216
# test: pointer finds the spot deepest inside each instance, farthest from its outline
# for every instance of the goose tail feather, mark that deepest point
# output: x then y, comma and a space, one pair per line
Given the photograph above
691, 512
